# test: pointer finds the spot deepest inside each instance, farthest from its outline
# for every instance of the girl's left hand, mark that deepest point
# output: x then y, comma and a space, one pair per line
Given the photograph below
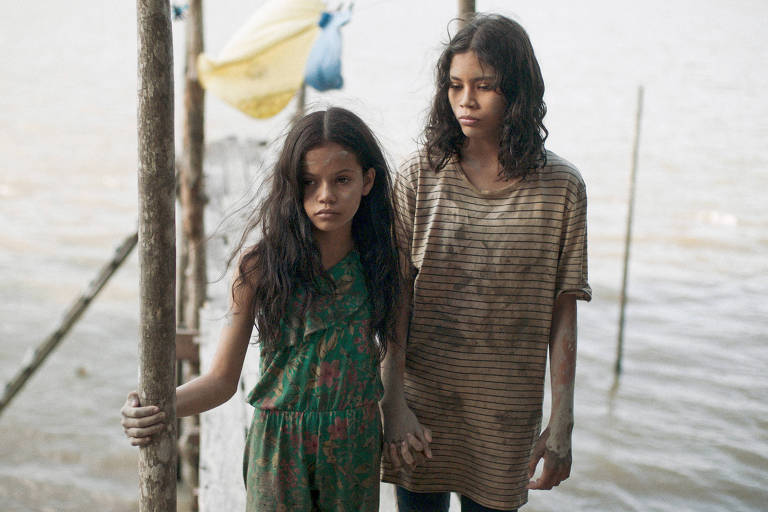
406, 442
557, 467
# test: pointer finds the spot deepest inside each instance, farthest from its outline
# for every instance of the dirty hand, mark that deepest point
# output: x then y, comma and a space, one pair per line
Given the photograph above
406, 442
140, 423
557, 466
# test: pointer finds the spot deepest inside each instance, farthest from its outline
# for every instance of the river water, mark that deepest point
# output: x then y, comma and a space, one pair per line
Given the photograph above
687, 428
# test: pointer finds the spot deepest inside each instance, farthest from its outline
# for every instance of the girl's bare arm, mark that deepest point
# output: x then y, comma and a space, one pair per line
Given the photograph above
404, 437
205, 392
219, 383
554, 444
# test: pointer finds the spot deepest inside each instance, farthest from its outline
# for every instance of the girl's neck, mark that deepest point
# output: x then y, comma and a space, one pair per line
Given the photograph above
333, 248
479, 160
483, 152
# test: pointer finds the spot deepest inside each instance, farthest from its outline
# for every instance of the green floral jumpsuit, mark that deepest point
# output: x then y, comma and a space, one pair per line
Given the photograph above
315, 439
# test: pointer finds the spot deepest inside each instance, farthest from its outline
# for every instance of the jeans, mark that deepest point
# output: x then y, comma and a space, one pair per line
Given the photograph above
408, 501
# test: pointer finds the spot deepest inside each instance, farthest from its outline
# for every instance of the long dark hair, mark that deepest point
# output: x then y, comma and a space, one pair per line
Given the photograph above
286, 256
502, 44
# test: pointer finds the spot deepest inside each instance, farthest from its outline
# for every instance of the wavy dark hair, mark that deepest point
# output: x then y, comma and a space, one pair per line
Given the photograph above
286, 256
502, 44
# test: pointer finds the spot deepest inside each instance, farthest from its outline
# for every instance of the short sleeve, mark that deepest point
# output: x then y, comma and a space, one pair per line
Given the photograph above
572, 275
405, 197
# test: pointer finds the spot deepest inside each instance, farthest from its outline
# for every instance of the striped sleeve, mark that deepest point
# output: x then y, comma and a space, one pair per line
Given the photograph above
405, 206
572, 265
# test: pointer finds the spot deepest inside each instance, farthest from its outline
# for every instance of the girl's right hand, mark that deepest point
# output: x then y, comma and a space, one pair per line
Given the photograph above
140, 423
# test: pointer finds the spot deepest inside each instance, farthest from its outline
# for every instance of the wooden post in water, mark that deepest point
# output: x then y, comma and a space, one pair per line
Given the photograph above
157, 251
628, 239
192, 197
466, 9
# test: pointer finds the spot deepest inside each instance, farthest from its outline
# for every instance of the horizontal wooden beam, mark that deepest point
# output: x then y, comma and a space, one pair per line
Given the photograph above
187, 345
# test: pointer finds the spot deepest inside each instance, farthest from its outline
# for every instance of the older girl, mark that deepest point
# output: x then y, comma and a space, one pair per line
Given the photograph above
494, 231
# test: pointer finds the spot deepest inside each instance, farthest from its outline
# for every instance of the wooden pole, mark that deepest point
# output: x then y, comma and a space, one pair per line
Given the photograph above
72, 315
192, 181
301, 102
192, 197
182, 261
157, 251
628, 239
466, 9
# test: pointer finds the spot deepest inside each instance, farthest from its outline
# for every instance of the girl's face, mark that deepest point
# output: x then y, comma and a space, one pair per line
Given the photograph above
334, 183
476, 102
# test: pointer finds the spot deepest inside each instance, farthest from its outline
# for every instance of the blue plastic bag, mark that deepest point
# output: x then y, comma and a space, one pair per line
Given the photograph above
323, 70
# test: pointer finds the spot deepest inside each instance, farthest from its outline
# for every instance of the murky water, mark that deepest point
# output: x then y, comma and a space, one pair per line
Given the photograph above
687, 428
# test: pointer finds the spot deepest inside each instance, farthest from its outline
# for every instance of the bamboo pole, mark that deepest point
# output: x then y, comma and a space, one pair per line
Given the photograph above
628, 237
466, 9
72, 315
157, 252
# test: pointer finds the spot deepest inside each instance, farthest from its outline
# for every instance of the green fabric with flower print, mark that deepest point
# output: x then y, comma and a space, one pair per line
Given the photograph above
315, 439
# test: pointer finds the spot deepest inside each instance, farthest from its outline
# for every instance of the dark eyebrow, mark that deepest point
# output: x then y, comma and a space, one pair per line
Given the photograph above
478, 79
305, 172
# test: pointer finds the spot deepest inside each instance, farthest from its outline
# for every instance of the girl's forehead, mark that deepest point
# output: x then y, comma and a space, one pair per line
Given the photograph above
329, 154
469, 58
468, 61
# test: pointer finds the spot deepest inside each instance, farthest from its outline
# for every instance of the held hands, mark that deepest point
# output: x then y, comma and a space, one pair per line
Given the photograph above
557, 463
140, 423
406, 442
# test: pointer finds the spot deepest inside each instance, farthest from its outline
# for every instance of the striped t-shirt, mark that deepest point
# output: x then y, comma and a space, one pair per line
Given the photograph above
487, 269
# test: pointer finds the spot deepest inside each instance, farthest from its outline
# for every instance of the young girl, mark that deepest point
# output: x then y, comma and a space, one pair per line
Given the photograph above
494, 231
321, 286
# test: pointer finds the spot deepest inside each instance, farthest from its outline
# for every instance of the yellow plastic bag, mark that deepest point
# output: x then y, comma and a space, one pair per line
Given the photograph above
262, 66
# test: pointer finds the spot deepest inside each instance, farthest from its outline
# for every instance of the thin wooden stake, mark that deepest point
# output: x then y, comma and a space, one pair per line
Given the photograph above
72, 315
628, 239
157, 251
